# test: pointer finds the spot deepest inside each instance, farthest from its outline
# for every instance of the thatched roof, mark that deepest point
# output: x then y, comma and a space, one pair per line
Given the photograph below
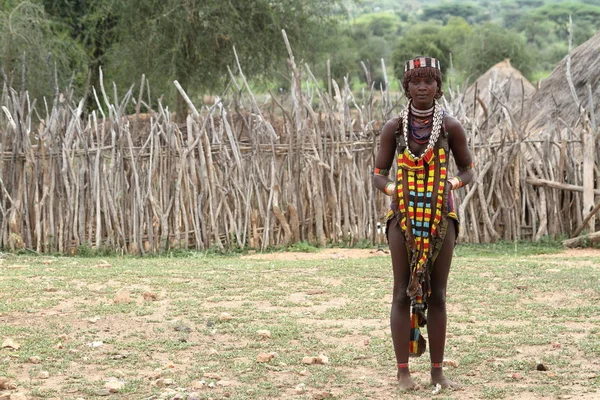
554, 101
506, 82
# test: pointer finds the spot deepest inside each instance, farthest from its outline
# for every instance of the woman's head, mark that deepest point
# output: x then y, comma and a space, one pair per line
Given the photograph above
422, 69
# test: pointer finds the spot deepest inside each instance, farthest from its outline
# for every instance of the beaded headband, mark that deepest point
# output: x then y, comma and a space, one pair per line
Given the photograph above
422, 62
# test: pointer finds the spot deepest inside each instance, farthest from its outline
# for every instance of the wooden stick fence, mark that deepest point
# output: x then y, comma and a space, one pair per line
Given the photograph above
240, 174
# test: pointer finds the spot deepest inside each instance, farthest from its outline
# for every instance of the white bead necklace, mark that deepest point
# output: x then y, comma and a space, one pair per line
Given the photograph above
435, 130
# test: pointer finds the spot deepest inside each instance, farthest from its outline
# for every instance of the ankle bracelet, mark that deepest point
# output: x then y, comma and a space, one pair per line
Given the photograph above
436, 365
402, 365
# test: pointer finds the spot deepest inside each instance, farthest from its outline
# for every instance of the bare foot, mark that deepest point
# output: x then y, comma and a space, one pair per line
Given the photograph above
438, 378
406, 381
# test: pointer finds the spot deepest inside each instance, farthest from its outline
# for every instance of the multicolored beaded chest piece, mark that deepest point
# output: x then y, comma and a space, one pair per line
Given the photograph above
421, 184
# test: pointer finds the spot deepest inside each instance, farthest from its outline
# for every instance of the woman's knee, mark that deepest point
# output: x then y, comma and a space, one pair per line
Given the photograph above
400, 298
437, 298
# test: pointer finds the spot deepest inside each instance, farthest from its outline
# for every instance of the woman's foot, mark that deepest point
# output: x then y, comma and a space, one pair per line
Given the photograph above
438, 378
405, 380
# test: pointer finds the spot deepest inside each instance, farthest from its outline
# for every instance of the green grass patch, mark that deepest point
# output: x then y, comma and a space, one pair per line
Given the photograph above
193, 319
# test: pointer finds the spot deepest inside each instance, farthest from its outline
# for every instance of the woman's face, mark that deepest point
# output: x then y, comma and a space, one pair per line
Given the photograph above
422, 91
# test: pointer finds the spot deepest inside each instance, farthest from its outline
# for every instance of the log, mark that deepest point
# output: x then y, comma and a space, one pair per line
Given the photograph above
580, 240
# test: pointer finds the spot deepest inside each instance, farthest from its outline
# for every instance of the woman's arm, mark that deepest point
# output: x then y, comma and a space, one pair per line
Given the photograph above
457, 139
385, 158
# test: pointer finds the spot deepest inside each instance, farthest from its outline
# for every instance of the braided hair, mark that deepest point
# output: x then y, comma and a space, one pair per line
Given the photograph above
423, 72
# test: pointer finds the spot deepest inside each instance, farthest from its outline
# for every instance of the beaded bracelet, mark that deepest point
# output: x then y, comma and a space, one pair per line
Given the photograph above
456, 182
466, 168
389, 188
381, 171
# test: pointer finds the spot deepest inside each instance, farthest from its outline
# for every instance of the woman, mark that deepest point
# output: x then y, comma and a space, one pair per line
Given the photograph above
422, 225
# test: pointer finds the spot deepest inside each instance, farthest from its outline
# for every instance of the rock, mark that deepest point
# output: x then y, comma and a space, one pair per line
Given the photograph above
301, 388
225, 317
516, 376
264, 334
18, 396
193, 396
265, 357
35, 360
450, 363
160, 382
10, 344
541, 367
114, 385
321, 359
322, 395
95, 344
225, 383
44, 375
6, 384
103, 264
211, 375
183, 328
149, 296
122, 297
154, 375
198, 384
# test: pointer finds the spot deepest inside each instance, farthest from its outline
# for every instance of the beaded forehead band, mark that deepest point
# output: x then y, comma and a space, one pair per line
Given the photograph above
422, 62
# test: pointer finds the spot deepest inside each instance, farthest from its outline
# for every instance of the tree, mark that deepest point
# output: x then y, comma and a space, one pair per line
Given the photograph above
91, 24
488, 45
192, 41
29, 44
442, 12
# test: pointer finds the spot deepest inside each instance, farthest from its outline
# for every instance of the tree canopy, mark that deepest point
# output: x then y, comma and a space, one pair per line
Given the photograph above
192, 41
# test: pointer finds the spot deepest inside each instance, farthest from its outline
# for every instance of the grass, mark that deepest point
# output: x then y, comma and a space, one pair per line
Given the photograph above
511, 306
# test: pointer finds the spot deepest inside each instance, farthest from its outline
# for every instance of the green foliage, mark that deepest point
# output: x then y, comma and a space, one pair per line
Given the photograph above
432, 40
29, 40
91, 24
490, 44
425, 40
382, 24
443, 11
193, 41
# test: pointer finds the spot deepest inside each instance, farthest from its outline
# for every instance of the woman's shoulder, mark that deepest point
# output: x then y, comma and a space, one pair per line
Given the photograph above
451, 124
389, 131
391, 126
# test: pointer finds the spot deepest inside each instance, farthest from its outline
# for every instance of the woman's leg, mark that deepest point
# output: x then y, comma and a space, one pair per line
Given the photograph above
400, 313
436, 304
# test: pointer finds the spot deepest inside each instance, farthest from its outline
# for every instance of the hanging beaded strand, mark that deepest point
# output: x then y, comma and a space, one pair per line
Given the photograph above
435, 131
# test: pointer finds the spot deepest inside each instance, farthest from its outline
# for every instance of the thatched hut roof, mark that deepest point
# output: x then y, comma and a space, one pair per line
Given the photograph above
506, 82
553, 102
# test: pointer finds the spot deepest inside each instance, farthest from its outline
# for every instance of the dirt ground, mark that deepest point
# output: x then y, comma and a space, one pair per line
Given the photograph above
299, 301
